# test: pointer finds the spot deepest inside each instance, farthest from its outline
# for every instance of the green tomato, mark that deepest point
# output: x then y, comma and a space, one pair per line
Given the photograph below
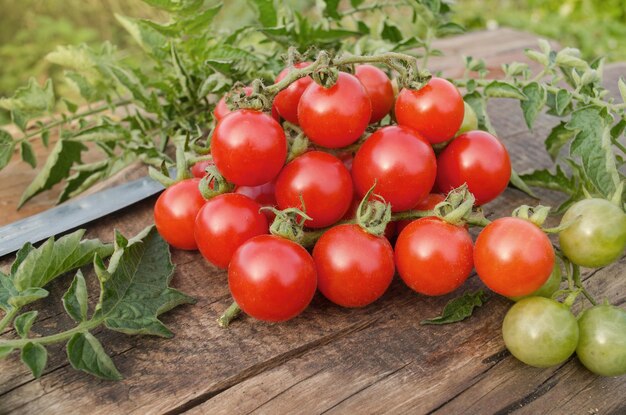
597, 235
470, 121
540, 332
602, 344
549, 287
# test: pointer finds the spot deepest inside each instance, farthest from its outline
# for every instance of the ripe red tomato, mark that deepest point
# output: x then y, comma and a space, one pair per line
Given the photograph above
224, 223
221, 109
272, 278
249, 147
175, 213
513, 256
354, 268
286, 101
432, 200
264, 195
337, 116
434, 257
322, 181
199, 169
379, 89
478, 159
435, 111
401, 162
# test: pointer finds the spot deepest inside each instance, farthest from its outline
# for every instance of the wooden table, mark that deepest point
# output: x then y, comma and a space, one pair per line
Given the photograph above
373, 360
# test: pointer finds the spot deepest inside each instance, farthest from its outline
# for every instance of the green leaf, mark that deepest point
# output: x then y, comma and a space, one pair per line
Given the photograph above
108, 131
331, 9
356, 3
562, 100
27, 154
477, 102
35, 357
266, 12
594, 147
5, 351
55, 258
390, 32
500, 89
618, 129
198, 23
459, 308
537, 57
21, 256
57, 166
7, 291
75, 299
150, 40
136, 290
24, 322
175, 6
546, 179
558, 137
536, 99
7, 145
82, 179
517, 182
27, 296
86, 353
29, 101
449, 28
622, 88
81, 84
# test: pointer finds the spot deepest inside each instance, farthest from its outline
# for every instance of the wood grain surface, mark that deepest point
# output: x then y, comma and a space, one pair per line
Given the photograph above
328, 360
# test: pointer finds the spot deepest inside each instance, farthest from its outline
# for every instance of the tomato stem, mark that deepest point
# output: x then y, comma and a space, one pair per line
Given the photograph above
231, 313
578, 283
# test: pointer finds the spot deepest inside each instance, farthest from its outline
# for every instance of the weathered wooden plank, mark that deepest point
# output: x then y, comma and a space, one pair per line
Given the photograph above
378, 359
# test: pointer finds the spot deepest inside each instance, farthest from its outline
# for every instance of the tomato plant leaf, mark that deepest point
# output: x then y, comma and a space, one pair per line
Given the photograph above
594, 147
558, 137
148, 38
7, 145
536, 99
136, 291
24, 322
266, 12
29, 101
562, 100
27, 153
55, 258
459, 308
477, 101
499, 89
330, 9
75, 299
35, 356
7, 291
449, 28
517, 182
390, 32
5, 351
56, 168
27, 296
545, 178
86, 353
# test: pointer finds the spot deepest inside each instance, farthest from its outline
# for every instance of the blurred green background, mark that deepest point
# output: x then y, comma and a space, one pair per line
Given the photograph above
31, 28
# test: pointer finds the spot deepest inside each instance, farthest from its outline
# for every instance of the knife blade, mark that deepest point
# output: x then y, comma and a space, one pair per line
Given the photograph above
75, 213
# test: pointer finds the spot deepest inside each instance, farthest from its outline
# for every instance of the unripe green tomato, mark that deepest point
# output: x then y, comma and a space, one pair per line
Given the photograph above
470, 121
597, 234
602, 344
540, 332
548, 288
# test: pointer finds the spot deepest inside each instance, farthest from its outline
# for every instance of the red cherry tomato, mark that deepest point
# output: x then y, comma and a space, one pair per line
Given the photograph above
199, 169
434, 257
286, 101
432, 200
478, 159
435, 111
175, 213
249, 148
272, 278
221, 109
224, 223
322, 181
264, 195
337, 116
401, 162
379, 89
354, 268
513, 257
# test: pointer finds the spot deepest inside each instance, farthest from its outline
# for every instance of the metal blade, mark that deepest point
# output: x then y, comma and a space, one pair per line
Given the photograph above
75, 213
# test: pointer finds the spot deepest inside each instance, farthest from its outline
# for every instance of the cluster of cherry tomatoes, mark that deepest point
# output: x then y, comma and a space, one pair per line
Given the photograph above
274, 278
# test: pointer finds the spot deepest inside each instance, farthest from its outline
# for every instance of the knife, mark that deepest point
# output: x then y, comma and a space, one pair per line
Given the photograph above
75, 213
